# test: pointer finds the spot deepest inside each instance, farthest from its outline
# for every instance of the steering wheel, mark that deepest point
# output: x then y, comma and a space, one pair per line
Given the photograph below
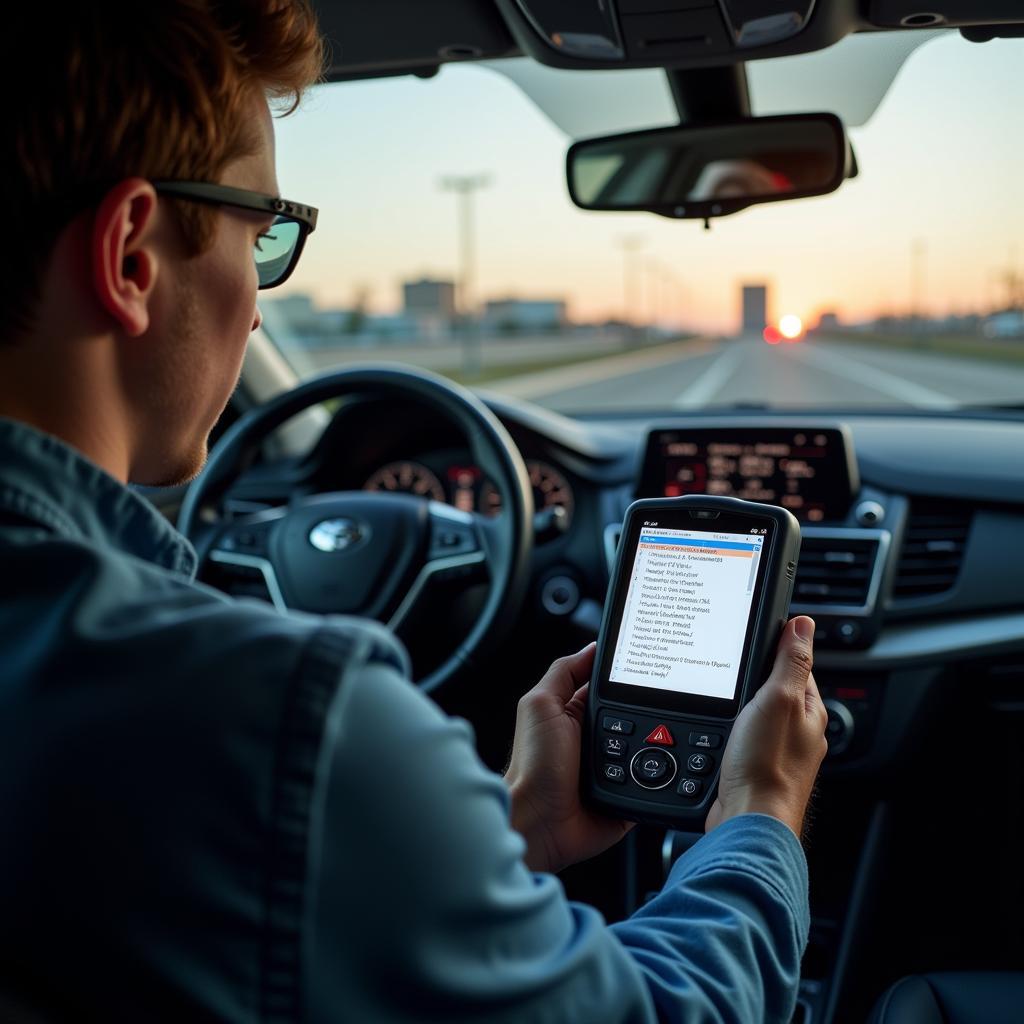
367, 553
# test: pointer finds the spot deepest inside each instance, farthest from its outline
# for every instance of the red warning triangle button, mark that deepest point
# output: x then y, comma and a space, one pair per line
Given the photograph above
661, 735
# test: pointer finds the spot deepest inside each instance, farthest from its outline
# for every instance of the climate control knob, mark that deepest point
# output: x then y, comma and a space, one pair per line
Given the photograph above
839, 731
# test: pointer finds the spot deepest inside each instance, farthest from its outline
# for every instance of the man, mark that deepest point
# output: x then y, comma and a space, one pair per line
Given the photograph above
196, 823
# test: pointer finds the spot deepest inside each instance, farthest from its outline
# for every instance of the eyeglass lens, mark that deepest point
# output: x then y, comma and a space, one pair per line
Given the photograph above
274, 250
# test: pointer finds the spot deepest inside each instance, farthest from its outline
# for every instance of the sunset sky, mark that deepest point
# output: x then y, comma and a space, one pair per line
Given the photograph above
942, 165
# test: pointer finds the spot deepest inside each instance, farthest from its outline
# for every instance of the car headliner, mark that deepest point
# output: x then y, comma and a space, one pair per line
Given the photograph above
849, 79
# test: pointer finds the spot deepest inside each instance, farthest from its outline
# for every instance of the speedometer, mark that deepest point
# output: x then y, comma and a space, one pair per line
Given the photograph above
550, 490
408, 478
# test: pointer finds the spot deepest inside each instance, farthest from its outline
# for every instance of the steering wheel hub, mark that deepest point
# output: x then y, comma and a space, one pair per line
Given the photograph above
350, 553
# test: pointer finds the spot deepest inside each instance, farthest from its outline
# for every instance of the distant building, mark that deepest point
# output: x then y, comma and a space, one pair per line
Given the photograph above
524, 316
828, 321
299, 306
427, 297
754, 313
294, 318
431, 306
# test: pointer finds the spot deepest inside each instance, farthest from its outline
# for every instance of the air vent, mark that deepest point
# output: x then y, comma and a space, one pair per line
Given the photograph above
612, 535
836, 570
933, 549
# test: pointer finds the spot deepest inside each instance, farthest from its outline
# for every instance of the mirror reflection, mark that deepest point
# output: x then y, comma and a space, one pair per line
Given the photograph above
751, 161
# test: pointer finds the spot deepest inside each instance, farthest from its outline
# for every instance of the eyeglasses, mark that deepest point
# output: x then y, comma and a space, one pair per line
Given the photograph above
278, 249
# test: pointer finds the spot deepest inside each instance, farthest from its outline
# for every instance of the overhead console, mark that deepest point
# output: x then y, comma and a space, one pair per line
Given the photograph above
576, 33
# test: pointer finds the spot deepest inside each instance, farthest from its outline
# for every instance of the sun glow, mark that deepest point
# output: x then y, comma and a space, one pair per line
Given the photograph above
791, 327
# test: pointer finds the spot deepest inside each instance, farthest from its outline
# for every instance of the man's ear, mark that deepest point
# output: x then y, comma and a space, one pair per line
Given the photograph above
124, 263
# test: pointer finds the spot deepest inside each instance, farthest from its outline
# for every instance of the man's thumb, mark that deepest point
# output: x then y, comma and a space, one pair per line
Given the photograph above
795, 657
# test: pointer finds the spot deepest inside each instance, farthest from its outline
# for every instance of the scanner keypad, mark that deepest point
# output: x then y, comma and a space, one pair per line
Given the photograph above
685, 775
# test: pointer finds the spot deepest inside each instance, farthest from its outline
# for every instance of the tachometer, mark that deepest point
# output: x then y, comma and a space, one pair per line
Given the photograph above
407, 477
550, 490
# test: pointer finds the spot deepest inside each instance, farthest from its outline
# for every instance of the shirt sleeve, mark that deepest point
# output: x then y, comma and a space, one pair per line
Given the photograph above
421, 908
725, 936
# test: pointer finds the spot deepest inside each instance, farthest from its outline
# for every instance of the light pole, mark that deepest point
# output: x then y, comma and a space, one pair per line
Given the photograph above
919, 254
630, 246
672, 304
465, 186
655, 294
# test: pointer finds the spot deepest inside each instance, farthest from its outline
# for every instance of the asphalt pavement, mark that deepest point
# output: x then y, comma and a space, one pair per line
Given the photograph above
808, 373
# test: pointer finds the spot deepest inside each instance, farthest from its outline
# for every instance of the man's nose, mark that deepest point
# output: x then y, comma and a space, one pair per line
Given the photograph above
257, 319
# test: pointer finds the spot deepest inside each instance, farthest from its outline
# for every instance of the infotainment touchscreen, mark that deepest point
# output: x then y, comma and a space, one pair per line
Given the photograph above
809, 471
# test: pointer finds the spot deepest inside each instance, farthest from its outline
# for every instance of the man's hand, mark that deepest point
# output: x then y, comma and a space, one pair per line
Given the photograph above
543, 775
778, 742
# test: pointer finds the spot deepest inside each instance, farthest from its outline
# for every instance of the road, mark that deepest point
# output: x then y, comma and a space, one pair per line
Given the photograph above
809, 373
447, 356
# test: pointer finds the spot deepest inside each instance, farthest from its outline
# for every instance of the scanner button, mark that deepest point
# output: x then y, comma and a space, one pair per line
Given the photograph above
690, 788
615, 773
615, 747
652, 768
699, 763
662, 736
619, 725
705, 740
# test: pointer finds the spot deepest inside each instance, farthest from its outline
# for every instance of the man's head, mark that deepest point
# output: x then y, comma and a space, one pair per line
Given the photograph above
129, 307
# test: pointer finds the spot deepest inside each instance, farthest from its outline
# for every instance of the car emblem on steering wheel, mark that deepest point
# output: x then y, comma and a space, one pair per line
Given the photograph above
335, 534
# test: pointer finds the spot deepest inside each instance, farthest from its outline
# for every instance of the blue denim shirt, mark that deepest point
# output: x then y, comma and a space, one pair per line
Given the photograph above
196, 824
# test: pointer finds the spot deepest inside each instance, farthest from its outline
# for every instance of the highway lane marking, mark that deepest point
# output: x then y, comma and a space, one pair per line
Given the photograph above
714, 378
884, 382
566, 378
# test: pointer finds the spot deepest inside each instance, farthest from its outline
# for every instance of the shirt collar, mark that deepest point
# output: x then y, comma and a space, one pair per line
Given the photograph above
44, 480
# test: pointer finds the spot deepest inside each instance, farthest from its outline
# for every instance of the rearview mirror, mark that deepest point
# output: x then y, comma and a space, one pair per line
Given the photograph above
711, 170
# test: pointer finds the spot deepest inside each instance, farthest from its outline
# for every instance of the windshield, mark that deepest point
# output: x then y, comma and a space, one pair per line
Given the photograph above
446, 239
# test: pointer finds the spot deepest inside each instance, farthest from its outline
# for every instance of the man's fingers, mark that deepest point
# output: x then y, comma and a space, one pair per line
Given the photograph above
567, 674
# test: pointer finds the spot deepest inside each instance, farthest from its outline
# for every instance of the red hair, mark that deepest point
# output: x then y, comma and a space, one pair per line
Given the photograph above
159, 89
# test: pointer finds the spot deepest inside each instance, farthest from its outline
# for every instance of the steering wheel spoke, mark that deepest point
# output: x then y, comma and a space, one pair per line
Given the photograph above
453, 534
241, 550
248, 535
456, 551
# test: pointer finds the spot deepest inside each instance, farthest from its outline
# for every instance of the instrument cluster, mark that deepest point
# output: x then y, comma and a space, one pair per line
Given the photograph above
466, 487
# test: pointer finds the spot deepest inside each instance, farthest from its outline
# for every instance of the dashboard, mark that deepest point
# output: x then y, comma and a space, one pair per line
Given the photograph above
912, 523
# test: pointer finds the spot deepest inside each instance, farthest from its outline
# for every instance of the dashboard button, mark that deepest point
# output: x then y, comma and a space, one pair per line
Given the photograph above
849, 632
652, 768
705, 740
560, 595
690, 787
452, 539
699, 763
620, 725
615, 773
